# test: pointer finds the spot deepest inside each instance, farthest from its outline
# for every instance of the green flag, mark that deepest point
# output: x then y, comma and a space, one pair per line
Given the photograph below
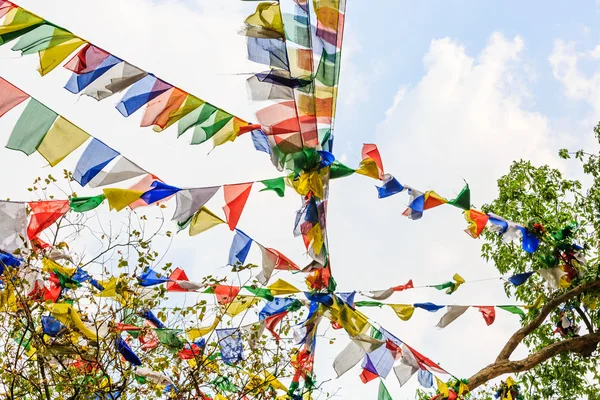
368, 304
383, 392
31, 127
169, 337
339, 170
221, 118
260, 292
463, 200
376, 333
277, 185
513, 310
196, 117
83, 204
443, 286
66, 281
224, 385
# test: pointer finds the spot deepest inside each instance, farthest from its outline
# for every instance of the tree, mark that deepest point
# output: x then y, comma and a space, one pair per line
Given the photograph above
74, 319
564, 214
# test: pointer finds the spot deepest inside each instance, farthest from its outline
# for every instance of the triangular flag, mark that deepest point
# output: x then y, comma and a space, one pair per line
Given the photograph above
403, 311
239, 305
95, 157
118, 199
122, 170
189, 201
452, 313
235, 200
383, 393
370, 151
179, 282
281, 287
203, 220
390, 187
463, 200
432, 199
10, 96
489, 314
477, 221
83, 204
44, 214
277, 185
239, 248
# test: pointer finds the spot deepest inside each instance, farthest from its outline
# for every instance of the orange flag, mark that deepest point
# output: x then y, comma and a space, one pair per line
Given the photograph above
235, 200
160, 109
477, 221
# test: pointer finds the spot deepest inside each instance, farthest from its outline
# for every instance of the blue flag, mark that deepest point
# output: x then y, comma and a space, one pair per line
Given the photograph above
240, 247
428, 306
158, 192
96, 156
230, 343
126, 352
390, 187
141, 93
150, 278
519, 279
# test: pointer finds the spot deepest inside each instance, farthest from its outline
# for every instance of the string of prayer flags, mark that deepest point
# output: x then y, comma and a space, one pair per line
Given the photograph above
17, 22
10, 96
235, 200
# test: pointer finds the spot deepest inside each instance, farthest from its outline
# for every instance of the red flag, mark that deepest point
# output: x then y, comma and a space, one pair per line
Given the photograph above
87, 59
477, 221
10, 96
371, 151
44, 214
367, 376
235, 200
225, 294
489, 314
177, 275
425, 362
272, 321
408, 285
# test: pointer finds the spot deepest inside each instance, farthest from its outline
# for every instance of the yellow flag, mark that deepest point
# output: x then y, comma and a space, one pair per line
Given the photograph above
239, 305
463, 389
315, 235
403, 311
17, 19
110, 288
61, 140
195, 333
281, 287
307, 182
442, 388
510, 382
229, 132
219, 397
118, 199
458, 280
354, 322
51, 57
66, 314
203, 220
536, 305
49, 266
267, 16
368, 167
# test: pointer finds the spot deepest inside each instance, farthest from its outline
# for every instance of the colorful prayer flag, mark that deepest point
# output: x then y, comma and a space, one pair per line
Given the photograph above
235, 200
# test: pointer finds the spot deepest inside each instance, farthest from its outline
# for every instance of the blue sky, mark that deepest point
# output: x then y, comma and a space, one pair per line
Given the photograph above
398, 34
448, 90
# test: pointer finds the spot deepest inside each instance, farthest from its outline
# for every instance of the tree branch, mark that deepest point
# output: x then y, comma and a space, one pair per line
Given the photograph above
519, 335
585, 319
576, 344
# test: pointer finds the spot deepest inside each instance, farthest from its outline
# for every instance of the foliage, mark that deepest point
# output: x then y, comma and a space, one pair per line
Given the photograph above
73, 366
569, 211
